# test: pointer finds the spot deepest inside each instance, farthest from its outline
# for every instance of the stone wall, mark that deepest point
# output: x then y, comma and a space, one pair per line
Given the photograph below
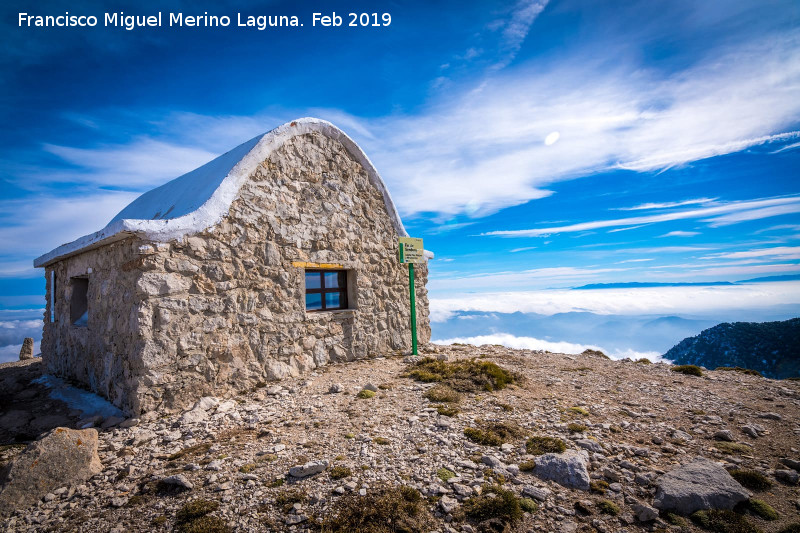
223, 310
97, 355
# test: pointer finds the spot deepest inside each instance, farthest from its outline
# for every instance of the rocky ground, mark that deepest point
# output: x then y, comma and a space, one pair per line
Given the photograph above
26, 409
293, 454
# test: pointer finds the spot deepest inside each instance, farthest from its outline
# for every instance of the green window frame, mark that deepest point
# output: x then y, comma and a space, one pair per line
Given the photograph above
326, 290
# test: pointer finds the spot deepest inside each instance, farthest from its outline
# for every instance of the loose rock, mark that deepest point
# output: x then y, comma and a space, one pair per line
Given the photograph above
701, 484
567, 469
63, 457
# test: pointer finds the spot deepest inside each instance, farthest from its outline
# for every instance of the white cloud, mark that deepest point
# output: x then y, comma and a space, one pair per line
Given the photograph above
680, 234
512, 341
13, 324
626, 229
755, 208
694, 300
634, 261
32, 227
532, 343
19, 269
12, 333
447, 158
10, 353
144, 163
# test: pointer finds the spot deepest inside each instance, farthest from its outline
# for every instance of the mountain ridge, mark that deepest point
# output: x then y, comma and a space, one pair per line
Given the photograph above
772, 348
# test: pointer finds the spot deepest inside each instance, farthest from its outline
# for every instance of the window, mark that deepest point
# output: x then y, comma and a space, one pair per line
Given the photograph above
79, 304
52, 296
326, 290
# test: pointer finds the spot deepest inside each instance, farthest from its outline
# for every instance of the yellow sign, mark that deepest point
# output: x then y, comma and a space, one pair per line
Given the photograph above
304, 264
411, 250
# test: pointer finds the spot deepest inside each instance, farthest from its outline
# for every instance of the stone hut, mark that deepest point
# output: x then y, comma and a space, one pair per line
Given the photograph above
269, 261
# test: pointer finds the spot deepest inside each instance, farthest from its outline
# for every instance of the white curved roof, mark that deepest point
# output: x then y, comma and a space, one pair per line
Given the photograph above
201, 198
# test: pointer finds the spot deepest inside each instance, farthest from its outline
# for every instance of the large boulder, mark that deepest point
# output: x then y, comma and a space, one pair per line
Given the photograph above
26, 352
701, 484
567, 469
63, 457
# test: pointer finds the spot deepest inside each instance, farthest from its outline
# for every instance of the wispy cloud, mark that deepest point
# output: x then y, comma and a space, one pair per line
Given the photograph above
526, 279
31, 227
142, 163
643, 260
666, 205
754, 214
626, 229
627, 117
781, 253
745, 210
780, 227
445, 159
517, 28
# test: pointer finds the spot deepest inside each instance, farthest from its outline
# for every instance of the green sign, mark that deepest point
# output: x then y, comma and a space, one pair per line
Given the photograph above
410, 253
411, 250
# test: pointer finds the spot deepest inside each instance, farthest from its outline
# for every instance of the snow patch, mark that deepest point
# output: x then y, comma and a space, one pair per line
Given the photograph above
87, 402
198, 200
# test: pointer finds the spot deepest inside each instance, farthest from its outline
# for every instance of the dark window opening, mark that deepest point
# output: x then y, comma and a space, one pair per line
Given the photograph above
326, 290
79, 304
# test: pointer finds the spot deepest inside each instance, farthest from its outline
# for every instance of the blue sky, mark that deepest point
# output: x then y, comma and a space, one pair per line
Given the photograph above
536, 146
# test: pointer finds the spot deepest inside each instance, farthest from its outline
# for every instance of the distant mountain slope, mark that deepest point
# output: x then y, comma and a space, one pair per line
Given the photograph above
648, 284
772, 348
787, 277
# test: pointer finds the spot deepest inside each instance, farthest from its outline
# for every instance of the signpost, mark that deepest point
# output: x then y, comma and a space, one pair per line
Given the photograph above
411, 252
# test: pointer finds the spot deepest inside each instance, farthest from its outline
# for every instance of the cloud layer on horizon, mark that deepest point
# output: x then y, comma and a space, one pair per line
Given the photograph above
694, 300
532, 343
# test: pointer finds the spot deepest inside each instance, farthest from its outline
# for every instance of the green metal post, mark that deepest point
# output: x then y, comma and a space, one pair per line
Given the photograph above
413, 308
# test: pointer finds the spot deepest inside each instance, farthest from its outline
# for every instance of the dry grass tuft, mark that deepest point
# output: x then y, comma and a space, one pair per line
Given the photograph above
495, 503
493, 433
382, 510
723, 521
608, 507
732, 448
442, 393
447, 410
574, 427
340, 472
464, 376
194, 517
542, 445
689, 370
750, 479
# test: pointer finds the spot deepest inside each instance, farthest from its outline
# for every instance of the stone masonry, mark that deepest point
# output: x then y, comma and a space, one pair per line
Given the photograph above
223, 310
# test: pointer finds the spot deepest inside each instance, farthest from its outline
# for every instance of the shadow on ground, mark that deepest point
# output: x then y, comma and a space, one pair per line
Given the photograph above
26, 409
